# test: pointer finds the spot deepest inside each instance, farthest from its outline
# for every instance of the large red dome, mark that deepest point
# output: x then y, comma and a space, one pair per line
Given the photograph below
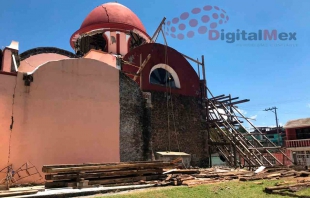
111, 15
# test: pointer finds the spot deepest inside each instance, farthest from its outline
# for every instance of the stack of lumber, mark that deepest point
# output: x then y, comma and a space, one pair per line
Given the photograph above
85, 175
152, 172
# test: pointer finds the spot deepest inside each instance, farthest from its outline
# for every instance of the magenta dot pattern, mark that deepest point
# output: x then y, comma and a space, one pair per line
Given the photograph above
184, 16
196, 21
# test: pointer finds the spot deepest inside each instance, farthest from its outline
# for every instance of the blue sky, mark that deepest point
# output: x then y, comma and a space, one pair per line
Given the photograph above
268, 76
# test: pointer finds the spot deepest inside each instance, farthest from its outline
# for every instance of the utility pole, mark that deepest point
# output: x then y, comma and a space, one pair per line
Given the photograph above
275, 112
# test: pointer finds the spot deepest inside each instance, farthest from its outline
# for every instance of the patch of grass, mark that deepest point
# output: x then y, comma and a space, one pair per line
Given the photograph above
232, 189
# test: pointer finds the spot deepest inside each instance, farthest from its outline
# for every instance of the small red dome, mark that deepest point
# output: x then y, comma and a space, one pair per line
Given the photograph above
113, 16
112, 13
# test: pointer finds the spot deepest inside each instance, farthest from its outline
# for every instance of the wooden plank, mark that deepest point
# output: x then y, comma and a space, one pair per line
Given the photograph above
123, 180
142, 66
158, 29
72, 183
273, 175
95, 164
102, 174
185, 171
304, 174
115, 181
4, 187
192, 59
58, 184
105, 167
17, 193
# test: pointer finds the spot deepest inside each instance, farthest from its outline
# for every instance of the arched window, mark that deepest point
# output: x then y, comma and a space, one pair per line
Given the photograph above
164, 75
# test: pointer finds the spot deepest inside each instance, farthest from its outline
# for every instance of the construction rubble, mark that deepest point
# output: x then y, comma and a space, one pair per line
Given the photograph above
154, 174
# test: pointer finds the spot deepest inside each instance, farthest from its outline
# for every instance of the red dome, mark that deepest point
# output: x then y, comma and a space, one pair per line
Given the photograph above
112, 13
113, 16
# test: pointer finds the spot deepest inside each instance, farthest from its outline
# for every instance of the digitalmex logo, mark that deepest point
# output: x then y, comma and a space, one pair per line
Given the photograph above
210, 20
211, 17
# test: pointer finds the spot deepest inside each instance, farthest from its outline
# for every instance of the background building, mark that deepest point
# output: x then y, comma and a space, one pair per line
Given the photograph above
298, 140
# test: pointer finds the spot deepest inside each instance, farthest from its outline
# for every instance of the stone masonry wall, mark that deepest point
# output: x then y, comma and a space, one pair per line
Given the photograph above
134, 120
184, 126
145, 130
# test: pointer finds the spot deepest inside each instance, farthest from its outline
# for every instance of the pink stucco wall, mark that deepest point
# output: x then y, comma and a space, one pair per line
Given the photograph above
69, 114
102, 56
7, 60
31, 63
7, 83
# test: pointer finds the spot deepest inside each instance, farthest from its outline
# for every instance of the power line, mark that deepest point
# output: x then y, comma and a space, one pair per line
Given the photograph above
276, 116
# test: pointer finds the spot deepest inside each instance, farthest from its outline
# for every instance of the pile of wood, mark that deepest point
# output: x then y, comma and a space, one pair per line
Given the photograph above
152, 172
274, 173
85, 175
214, 175
193, 177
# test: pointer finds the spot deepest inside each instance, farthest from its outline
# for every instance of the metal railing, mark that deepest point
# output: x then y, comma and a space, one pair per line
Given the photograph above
297, 143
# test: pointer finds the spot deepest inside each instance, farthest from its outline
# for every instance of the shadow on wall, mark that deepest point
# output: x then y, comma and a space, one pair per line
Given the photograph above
134, 122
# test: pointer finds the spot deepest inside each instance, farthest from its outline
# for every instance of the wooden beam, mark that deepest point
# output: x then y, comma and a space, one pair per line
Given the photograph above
17, 193
130, 73
107, 167
164, 36
142, 66
191, 59
229, 99
198, 66
220, 98
203, 69
240, 101
45, 167
158, 29
216, 97
251, 134
264, 148
106, 174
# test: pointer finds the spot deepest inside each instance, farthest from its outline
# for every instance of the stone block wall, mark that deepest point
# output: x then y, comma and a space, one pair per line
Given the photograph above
177, 127
145, 131
134, 122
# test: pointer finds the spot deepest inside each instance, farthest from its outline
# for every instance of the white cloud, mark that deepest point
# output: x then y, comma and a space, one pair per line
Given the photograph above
242, 111
253, 117
221, 111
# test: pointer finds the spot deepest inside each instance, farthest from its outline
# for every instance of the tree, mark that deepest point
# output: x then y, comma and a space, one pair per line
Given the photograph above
241, 129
